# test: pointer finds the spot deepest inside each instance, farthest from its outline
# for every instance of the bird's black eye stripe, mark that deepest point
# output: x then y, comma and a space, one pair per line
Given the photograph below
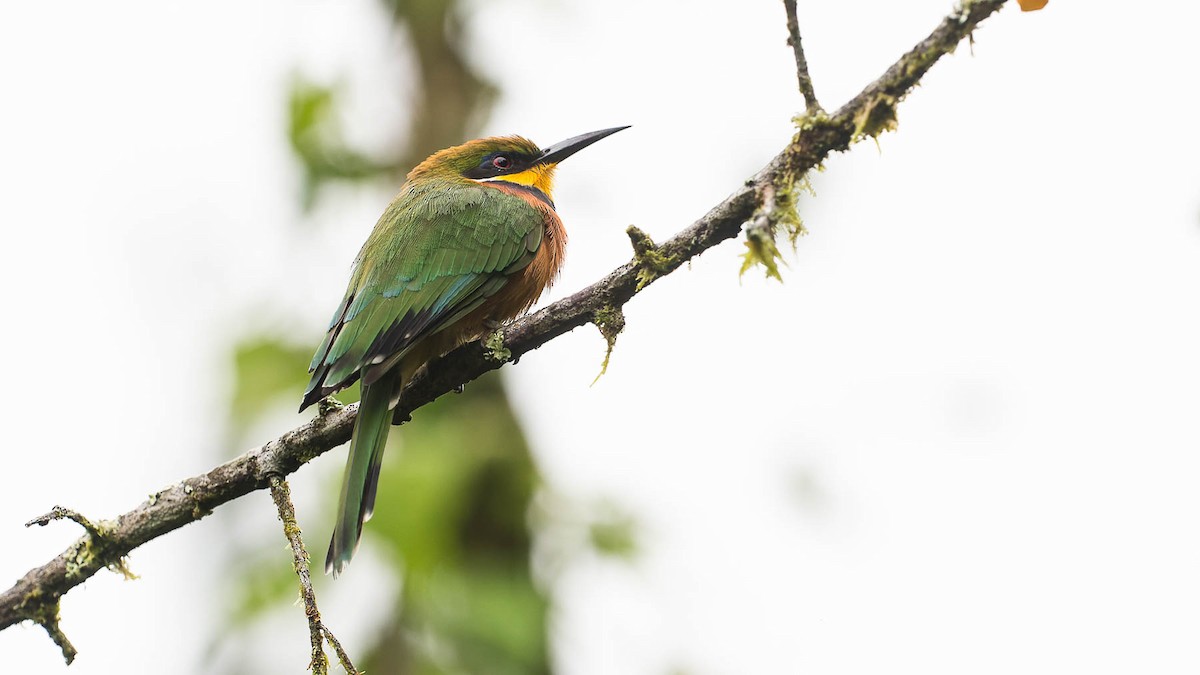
499, 163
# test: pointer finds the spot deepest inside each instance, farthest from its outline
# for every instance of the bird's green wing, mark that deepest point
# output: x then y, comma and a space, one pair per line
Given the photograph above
435, 255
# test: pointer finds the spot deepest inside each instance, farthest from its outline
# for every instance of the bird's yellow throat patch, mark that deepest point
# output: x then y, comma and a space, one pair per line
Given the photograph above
540, 176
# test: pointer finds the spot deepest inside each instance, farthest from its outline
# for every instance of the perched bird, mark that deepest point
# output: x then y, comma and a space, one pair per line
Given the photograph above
471, 241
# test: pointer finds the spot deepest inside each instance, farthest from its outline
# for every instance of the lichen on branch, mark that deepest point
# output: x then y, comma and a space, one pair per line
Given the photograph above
611, 321
652, 262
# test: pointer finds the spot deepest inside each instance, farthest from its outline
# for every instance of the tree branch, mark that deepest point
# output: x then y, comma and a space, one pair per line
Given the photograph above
806, 86
35, 596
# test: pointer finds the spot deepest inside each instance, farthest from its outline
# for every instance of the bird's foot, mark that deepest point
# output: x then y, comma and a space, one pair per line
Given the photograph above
328, 405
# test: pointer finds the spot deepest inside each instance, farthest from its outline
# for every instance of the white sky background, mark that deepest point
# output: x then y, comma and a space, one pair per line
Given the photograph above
961, 437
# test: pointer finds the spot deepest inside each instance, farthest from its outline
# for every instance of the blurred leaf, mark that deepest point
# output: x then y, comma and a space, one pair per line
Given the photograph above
489, 620
262, 585
265, 370
614, 533
1032, 5
317, 139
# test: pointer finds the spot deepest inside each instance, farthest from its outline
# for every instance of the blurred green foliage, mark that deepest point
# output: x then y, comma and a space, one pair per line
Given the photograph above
316, 138
612, 531
454, 102
265, 368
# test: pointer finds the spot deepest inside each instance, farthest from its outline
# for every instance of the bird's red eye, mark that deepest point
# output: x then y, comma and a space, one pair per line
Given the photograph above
501, 162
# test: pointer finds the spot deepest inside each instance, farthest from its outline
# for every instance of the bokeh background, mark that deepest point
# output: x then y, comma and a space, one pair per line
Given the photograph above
961, 436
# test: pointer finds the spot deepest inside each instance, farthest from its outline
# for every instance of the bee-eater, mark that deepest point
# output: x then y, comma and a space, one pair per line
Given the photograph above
471, 241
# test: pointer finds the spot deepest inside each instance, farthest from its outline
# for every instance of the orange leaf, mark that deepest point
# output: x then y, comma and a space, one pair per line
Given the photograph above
1031, 5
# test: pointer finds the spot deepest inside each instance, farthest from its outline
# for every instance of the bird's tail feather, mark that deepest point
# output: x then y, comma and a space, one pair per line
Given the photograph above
362, 470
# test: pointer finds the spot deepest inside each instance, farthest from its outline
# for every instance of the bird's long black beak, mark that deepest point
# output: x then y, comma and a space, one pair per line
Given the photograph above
564, 149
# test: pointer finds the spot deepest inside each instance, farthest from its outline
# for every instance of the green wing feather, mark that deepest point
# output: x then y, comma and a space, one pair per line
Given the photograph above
438, 252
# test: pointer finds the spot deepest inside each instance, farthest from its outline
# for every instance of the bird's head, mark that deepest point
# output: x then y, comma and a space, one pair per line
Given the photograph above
511, 159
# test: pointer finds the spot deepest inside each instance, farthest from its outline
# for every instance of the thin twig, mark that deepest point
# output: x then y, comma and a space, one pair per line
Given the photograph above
37, 593
282, 495
341, 653
317, 631
62, 513
806, 86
